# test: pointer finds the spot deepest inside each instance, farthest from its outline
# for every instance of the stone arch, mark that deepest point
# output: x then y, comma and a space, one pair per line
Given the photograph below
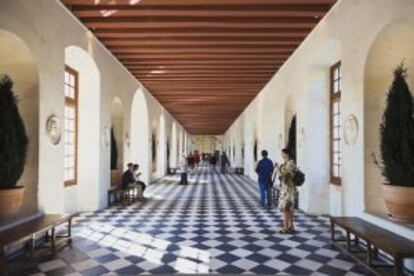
392, 45
18, 62
140, 134
86, 194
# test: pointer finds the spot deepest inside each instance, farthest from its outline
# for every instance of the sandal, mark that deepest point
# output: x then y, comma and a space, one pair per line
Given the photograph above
283, 231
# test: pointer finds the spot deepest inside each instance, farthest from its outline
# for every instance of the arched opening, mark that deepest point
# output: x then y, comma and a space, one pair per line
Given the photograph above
290, 132
255, 149
117, 135
17, 61
82, 133
391, 46
291, 138
140, 137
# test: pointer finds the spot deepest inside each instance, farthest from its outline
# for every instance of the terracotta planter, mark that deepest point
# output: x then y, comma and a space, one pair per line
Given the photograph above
400, 202
11, 201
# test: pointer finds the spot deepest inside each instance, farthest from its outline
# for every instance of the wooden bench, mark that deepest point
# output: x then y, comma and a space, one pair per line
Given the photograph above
28, 232
115, 191
376, 238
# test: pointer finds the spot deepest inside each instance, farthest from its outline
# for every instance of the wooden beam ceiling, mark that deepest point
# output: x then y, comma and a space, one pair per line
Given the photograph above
204, 60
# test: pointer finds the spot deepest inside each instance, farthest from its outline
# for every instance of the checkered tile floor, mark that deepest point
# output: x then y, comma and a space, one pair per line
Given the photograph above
213, 225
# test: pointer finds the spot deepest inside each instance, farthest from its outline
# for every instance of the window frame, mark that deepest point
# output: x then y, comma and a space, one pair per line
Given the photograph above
335, 97
74, 103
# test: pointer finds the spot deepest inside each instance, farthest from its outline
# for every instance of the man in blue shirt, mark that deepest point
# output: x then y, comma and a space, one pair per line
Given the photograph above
264, 169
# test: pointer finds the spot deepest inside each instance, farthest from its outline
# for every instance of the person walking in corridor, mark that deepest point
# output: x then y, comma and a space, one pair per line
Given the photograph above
264, 170
213, 162
287, 191
183, 170
224, 162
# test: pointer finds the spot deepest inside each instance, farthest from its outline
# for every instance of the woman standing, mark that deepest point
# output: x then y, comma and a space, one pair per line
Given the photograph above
287, 191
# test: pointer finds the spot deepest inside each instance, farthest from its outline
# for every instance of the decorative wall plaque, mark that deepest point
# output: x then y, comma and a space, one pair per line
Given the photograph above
53, 130
106, 137
351, 130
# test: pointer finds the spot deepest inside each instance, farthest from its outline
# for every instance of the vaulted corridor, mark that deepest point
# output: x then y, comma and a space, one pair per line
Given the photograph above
212, 225
104, 102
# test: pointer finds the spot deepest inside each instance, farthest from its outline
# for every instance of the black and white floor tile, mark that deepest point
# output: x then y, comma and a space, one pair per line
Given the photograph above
213, 225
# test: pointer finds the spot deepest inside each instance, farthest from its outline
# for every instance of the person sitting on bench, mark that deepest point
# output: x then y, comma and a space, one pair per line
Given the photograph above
129, 181
128, 176
136, 177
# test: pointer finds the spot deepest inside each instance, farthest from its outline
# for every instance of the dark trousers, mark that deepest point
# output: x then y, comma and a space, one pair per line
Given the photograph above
265, 194
184, 178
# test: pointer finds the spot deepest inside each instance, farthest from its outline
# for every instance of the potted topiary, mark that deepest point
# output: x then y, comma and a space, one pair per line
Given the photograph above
397, 149
13, 150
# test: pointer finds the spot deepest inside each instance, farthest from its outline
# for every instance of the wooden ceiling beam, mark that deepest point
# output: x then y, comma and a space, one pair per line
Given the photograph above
193, 62
199, 71
193, 31
206, 7
202, 67
205, 56
194, 3
189, 46
126, 43
174, 26
205, 51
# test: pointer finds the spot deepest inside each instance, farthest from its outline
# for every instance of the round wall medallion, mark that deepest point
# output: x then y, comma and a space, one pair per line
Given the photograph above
351, 130
106, 137
53, 130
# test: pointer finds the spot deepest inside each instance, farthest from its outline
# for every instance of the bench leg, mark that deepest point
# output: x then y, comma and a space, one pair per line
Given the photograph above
53, 241
348, 240
109, 199
70, 228
398, 266
369, 254
3, 260
32, 245
332, 231
375, 252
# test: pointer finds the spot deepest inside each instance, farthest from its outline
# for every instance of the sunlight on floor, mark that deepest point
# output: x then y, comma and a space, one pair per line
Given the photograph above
190, 260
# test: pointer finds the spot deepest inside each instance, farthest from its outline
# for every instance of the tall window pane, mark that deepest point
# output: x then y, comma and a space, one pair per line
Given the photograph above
70, 131
335, 124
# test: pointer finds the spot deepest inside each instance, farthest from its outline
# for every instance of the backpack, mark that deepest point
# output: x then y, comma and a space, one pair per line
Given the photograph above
299, 178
